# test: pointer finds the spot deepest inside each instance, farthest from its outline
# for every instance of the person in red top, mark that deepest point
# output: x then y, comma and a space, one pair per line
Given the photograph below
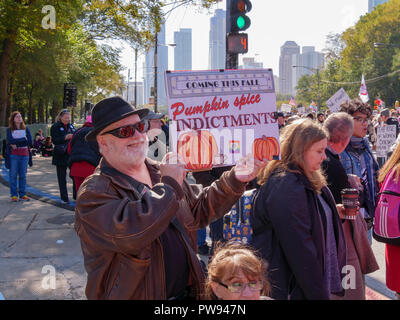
84, 156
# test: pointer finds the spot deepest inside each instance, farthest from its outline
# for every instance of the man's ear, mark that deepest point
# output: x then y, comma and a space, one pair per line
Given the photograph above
102, 143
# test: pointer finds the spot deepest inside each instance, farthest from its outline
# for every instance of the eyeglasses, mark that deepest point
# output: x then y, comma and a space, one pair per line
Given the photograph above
129, 130
361, 119
238, 287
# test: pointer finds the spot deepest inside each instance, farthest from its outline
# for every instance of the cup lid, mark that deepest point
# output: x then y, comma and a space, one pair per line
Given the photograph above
349, 191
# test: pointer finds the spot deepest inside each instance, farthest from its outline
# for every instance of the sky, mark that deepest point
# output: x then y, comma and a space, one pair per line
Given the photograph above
273, 22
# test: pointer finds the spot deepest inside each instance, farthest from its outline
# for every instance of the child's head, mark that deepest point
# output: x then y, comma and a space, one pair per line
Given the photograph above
236, 273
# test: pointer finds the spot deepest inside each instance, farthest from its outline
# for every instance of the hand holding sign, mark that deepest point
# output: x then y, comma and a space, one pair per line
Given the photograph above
246, 169
173, 166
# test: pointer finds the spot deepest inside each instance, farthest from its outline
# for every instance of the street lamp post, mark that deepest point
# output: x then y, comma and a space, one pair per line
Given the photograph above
318, 79
156, 45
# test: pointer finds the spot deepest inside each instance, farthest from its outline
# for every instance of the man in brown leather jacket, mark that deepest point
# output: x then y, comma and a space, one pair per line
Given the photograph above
137, 219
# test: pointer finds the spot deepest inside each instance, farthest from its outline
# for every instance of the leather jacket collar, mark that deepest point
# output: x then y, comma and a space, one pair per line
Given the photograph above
126, 182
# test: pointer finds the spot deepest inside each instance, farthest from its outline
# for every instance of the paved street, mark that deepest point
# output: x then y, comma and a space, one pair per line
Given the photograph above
34, 235
39, 233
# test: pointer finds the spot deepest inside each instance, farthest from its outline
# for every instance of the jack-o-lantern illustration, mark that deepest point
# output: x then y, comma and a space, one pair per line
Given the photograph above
265, 148
198, 149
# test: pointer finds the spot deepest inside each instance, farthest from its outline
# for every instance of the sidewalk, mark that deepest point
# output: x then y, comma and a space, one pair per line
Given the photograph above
29, 234
40, 253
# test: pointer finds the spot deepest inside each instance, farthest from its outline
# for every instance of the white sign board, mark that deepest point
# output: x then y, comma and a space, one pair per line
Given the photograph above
286, 108
386, 136
230, 108
337, 99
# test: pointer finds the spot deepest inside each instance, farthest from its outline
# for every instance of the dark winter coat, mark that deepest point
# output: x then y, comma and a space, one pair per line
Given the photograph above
82, 150
289, 228
336, 175
58, 133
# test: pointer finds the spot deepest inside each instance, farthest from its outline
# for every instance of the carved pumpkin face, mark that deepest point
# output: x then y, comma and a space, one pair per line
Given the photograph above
265, 148
198, 149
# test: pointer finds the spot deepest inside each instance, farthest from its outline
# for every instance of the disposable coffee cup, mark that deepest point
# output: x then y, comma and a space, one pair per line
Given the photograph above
350, 203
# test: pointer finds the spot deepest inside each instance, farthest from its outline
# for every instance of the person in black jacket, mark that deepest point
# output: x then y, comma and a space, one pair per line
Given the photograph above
61, 132
340, 128
296, 226
84, 156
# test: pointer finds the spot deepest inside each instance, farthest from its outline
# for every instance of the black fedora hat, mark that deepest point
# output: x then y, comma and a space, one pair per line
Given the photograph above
111, 110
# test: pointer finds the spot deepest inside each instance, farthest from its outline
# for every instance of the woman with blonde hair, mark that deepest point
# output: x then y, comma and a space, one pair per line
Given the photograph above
296, 226
391, 170
235, 272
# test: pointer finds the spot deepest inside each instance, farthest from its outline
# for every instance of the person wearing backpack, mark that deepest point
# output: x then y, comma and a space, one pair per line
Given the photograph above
385, 220
18, 155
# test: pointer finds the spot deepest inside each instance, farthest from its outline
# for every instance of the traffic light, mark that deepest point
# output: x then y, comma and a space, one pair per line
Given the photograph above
237, 18
74, 93
70, 95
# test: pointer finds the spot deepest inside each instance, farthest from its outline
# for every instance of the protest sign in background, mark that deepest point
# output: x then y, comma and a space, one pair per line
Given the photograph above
337, 99
286, 108
386, 136
218, 117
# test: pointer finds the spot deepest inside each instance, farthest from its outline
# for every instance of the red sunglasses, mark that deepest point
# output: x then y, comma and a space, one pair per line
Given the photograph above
129, 130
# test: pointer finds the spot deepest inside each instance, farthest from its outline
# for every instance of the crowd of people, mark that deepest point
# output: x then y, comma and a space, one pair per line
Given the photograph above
142, 224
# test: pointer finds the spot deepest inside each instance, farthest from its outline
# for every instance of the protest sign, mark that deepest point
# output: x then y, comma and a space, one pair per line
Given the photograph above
337, 99
286, 108
218, 117
386, 136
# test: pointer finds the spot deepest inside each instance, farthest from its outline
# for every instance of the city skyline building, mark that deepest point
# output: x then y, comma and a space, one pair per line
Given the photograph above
217, 47
183, 49
250, 63
373, 3
129, 95
310, 60
285, 66
162, 66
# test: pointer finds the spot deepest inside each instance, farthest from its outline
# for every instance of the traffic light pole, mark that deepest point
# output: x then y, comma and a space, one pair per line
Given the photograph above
231, 59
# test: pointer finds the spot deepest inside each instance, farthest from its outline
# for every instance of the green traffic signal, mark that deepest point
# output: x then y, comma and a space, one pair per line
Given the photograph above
237, 20
240, 22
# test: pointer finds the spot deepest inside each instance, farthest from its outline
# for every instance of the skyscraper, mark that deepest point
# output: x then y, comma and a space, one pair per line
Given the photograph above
217, 51
373, 3
250, 63
162, 66
129, 93
183, 49
309, 59
285, 66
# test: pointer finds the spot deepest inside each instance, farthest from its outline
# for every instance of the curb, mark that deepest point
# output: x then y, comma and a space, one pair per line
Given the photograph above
35, 193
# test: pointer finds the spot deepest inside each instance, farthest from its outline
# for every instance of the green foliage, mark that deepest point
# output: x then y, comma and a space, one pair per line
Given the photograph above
36, 62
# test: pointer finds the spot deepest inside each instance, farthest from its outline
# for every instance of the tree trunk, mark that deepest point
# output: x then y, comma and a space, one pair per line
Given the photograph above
31, 112
47, 111
40, 111
5, 62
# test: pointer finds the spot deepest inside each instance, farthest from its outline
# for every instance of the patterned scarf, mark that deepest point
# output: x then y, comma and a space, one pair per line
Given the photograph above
357, 144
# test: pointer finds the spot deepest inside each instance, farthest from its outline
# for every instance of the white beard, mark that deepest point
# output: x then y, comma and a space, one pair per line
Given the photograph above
128, 156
